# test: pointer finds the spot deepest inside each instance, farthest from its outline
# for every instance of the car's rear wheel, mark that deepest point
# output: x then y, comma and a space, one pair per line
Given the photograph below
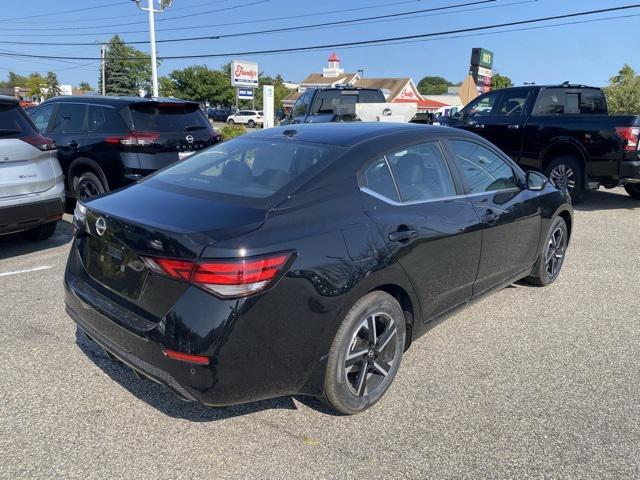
365, 354
230, 121
41, 232
251, 124
567, 173
88, 185
551, 259
633, 189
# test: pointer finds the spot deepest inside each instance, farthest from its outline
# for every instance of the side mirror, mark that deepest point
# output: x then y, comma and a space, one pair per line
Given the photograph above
536, 181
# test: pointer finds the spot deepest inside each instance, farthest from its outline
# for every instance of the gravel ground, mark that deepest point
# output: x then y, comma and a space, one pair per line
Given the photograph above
529, 383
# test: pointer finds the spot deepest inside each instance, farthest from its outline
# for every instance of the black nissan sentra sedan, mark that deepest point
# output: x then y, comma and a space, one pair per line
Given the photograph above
305, 259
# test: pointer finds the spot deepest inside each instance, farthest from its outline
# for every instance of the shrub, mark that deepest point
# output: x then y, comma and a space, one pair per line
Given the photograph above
232, 131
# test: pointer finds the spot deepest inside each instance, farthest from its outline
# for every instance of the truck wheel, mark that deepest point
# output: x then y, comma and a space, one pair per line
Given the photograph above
41, 232
567, 173
633, 189
547, 268
87, 185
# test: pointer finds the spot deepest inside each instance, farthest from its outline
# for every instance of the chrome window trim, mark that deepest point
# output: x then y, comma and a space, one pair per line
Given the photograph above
368, 191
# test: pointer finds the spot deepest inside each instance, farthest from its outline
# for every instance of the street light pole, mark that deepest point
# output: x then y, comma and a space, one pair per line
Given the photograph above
152, 38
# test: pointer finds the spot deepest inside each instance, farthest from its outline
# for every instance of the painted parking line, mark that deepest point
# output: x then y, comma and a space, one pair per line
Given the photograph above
17, 272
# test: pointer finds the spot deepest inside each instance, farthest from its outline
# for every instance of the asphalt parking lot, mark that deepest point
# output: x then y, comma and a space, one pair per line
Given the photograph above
529, 383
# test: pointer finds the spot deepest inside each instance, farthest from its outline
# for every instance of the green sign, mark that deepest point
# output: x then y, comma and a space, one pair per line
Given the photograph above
482, 57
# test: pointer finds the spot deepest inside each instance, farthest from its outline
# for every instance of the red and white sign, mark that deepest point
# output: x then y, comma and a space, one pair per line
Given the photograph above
244, 74
407, 93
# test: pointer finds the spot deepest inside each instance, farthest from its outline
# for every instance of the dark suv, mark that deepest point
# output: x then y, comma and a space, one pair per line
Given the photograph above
108, 142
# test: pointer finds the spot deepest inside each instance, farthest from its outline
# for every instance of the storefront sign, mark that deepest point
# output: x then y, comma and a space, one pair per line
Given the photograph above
244, 74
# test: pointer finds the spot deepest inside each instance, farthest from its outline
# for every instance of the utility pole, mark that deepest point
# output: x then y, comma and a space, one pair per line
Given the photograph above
152, 37
103, 56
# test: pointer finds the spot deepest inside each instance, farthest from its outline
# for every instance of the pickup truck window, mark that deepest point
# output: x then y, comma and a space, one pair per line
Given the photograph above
557, 101
483, 170
300, 108
325, 101
484, 105
512, 103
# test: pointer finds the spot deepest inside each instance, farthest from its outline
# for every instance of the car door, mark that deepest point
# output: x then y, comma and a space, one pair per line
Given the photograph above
510, 214
505, 128
480, 114
68, 131
429, 226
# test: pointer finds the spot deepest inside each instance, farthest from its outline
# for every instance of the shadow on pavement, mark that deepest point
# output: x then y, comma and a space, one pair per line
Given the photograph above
607, 200
14, 245
161, 398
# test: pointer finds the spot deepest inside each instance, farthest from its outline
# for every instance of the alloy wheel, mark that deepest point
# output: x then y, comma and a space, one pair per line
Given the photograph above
563, 177
87, 189
371, 354
556, 248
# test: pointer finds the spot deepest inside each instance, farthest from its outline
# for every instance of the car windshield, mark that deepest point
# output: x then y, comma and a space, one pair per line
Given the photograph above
167, 118
248, 168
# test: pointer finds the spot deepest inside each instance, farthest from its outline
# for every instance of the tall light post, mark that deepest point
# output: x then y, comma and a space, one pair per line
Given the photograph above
152, 36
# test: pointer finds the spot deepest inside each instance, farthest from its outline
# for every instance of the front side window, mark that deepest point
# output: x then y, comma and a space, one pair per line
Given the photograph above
512, 103
483, 170
421, 173
70, 118
484, 105
42, 116
300, 108
248, 168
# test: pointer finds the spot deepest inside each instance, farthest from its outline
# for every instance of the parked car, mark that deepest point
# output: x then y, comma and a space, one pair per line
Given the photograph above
306, 260
218, 114
105, 143
250, 118
563, 131
31, 181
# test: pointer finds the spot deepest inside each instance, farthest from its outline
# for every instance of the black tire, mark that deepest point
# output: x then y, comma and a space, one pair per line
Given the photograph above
633, 189
568, 172
544, 273
346, 386
88, 185
41, 232
230, 122
251, 124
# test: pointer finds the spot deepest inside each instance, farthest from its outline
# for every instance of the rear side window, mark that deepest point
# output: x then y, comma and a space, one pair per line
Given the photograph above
249, 168
167, 118
13, 122
483, 170
555, 101
104, 120
69, 118
377, 177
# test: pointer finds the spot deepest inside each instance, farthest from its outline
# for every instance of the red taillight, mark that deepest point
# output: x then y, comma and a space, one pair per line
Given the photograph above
186, 357
630, 136
140, 139
41, 143
225, 278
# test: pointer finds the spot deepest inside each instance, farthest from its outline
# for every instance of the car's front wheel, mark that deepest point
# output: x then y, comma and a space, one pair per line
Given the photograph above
88, 185
230, 121
365, 354
551, 259
633, 189
251, 124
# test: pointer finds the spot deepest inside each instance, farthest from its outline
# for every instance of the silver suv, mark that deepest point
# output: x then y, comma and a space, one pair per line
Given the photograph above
31, 180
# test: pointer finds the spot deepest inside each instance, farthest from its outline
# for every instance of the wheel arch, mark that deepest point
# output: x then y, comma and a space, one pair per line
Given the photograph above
81, 165
406, 303
565, 214
563, 146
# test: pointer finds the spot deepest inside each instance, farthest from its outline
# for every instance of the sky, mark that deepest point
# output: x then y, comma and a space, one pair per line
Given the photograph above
588, 53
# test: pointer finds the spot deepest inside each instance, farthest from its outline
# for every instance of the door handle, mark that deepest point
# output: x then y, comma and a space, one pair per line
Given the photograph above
490, 217
514, 127
72, 144
479, 125
402, 235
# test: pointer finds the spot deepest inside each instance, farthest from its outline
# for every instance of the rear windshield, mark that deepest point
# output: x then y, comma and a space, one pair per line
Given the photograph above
168, 118
13, 122
327, 100
249, 168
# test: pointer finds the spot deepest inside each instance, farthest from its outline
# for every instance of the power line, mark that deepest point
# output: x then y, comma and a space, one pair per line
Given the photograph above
396, 16
64, 11
361, 42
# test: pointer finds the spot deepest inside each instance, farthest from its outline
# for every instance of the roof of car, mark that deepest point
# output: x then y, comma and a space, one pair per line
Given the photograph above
345, 134
114, 101
10, 100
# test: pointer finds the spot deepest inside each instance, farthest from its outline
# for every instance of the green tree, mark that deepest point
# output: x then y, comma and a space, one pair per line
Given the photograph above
14, 80
500, 81
52, 86
85, 87
201, 84
280, 91
34, 84
431, 85
127, 69
166, 87
623, 92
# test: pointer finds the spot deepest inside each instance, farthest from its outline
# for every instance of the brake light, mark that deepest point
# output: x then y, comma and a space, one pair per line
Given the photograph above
40, 142
630, 136
186, 357
230, 278
140, 139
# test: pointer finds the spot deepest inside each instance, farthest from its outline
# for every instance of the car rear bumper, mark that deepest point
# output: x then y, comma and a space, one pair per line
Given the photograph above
29, 211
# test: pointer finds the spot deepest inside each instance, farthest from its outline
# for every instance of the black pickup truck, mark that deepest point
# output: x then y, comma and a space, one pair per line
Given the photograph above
563, 131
